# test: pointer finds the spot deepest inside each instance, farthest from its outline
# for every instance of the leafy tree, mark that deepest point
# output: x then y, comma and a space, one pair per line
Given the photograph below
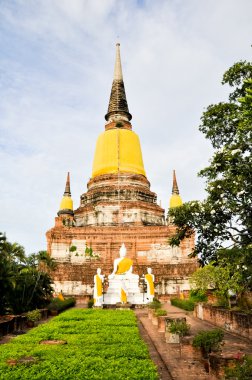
11, 258
223, 279
24, 281
224, 218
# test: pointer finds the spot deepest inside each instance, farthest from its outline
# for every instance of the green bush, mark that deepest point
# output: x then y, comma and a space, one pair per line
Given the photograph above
179, 327
208, 340
91, 303
183, 304
33, 315
242, 371
197, 295
155, 304
59, 305
101, 344
160, 312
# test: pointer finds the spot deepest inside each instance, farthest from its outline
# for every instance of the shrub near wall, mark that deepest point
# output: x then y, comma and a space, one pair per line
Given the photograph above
60, 305
183, 304
101, 344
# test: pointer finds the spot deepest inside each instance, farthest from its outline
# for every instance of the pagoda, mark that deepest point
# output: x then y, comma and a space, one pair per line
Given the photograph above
118, 207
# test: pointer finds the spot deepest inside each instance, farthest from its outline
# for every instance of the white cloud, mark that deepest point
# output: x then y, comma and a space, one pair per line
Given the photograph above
56, 70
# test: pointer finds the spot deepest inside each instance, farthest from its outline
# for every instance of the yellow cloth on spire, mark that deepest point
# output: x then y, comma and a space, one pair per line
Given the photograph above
66, 203
149, 279
98, 285
124, 265
175, 201
118, 150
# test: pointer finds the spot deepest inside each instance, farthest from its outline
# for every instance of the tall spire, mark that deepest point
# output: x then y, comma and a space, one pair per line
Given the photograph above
67, 188
118, 66
118, 106
175, 189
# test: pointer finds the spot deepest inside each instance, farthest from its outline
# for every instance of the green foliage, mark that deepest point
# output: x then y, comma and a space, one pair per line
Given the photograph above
90, 253
208, 340
59, 305
155, 304
90, 303
183, 304
160, 312
198, 295
101, 344
24, 283
225, 216
73, 248
223, 278
179, 327
242, 371
33, 315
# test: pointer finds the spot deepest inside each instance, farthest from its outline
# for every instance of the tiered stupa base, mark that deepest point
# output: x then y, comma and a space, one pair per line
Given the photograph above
119, 198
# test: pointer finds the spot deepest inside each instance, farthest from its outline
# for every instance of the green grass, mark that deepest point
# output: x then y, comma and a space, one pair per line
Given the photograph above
101, 344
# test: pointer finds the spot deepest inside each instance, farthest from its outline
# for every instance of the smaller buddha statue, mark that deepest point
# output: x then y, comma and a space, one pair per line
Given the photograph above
149, 279
98, 280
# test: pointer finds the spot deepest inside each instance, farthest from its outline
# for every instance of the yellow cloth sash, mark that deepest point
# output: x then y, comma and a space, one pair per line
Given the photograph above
124, 265
123, 296
98, 285
149, 279
61, 297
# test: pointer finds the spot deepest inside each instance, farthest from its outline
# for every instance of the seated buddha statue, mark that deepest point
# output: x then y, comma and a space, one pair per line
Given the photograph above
122, 273
122, 265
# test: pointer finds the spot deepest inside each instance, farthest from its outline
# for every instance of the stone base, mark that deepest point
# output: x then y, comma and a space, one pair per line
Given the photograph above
123, 306
113, 295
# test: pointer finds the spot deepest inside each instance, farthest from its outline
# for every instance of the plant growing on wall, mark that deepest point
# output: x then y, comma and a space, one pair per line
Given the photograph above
73, 248
160, 313
90, 253
179, 327
155, 304
33, 315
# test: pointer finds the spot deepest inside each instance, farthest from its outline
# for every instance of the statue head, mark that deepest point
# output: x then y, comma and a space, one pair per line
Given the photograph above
123, 250
98, 270
149, 270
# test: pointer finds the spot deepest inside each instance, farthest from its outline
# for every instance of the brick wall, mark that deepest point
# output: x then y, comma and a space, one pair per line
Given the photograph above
232, 321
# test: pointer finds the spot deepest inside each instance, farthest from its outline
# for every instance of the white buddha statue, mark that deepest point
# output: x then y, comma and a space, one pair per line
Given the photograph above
122, 265
149, 279
122, 277
98, 280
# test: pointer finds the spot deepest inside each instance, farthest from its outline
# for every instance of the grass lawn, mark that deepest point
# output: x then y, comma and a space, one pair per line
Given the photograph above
101, 344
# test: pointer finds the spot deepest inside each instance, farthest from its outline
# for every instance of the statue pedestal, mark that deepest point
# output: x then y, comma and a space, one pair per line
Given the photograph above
130, 283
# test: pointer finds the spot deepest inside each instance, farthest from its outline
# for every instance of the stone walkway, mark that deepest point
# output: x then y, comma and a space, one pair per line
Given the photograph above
171, 364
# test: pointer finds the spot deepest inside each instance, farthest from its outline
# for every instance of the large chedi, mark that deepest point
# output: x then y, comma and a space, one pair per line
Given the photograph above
118, 192
117, 207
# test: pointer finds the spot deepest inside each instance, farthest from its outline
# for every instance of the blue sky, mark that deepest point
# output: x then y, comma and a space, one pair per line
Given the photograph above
56, 67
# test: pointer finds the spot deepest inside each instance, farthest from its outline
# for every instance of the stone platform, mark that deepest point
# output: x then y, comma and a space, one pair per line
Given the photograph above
113, 295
